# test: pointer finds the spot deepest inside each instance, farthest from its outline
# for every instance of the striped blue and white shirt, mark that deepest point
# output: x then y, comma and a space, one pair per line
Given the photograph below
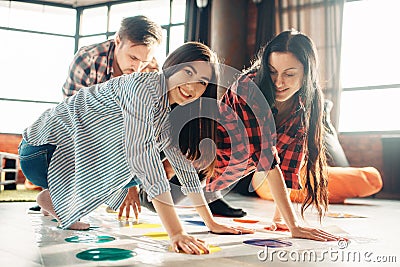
105, 136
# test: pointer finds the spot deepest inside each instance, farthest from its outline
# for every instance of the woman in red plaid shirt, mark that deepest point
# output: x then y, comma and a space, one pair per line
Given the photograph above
287, 75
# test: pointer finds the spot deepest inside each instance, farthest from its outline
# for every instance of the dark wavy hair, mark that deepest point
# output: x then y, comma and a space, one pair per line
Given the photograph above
303, 48
189, 126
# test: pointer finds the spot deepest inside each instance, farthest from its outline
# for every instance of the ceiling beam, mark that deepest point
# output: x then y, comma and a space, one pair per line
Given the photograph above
73, 6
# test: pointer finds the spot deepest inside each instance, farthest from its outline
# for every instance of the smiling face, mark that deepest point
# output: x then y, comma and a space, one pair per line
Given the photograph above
130, 57
287, 74
189, 83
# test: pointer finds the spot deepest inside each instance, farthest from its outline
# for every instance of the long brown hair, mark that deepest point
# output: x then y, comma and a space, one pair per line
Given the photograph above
189, 126
303, 48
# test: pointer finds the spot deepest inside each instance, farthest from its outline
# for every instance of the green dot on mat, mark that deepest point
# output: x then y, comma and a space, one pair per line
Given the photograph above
105, 254
89, 239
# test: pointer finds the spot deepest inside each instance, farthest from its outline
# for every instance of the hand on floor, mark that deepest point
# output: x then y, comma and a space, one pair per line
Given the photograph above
278, 223
131, 200
278, 226
313, 233
217, 228
188, 244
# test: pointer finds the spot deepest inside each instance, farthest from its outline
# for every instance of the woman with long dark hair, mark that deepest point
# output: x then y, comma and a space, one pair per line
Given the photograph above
286, 73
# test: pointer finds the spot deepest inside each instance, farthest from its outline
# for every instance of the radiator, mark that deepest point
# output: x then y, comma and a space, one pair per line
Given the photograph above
391, 164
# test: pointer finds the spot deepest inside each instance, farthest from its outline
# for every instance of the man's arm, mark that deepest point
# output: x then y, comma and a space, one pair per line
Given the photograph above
78, 74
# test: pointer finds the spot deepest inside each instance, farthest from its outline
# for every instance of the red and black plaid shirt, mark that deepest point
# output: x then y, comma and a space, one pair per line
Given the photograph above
291, 144
246, 134
91, 65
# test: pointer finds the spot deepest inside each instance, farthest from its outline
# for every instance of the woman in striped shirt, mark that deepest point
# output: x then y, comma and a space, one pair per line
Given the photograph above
93, 146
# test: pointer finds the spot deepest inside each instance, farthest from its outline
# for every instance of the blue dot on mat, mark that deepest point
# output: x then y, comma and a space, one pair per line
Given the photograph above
200, 223
272, 243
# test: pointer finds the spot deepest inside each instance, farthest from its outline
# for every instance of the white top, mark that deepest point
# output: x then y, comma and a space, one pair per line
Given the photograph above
106, 135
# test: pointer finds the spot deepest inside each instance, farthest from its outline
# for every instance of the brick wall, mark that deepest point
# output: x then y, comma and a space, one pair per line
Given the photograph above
9, 142
363, 150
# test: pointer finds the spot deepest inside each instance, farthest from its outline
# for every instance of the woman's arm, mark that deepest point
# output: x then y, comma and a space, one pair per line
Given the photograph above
282, 200
202, 208
179, 239
189, 179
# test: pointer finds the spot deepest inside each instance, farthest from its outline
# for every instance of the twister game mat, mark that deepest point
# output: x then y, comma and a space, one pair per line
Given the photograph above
114, 242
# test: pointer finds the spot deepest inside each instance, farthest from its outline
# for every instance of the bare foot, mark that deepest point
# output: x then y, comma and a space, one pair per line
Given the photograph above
46, 205
45, 212
79, 226
44, 201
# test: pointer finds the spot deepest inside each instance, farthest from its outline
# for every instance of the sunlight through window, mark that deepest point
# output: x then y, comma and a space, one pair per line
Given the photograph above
369, 66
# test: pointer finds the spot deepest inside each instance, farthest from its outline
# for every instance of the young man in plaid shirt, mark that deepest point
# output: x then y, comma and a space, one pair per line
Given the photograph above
132, 50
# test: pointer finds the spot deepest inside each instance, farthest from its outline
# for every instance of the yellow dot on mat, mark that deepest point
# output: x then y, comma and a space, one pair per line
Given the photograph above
146, 225
211, 248
157, 235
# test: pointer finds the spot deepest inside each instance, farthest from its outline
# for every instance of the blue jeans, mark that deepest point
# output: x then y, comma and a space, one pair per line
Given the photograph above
34, 162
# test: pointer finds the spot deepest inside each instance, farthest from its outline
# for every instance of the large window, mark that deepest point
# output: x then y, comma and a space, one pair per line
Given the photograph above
38, 43
370, 66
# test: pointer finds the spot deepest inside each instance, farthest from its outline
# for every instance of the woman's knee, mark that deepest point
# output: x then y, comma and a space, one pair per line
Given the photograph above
34, 162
